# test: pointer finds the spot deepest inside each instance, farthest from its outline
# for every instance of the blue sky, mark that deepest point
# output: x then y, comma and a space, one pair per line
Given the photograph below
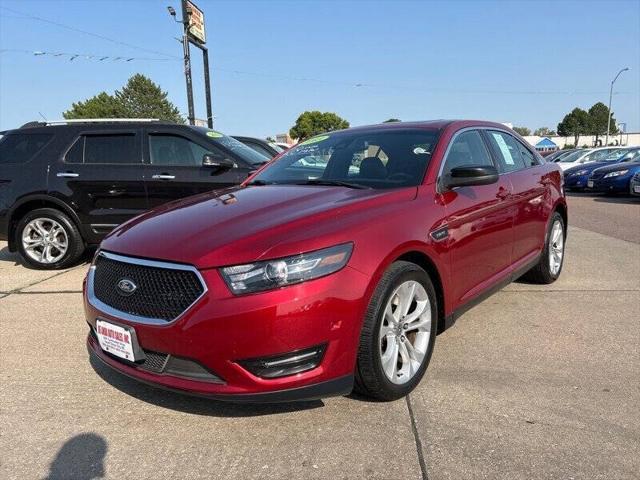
522, 62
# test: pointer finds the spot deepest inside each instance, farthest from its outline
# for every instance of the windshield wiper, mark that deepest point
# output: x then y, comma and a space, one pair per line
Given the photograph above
259, 182
337, 183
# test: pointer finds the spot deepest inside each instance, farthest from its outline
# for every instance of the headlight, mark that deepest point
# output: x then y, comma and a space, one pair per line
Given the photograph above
616, 174
579, 173
259, 276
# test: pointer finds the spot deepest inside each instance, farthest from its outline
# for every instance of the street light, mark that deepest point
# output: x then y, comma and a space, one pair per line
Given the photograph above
606, 143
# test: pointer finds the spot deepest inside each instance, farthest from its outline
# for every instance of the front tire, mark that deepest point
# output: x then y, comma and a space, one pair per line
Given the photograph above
47, 239
398, 334
550, 264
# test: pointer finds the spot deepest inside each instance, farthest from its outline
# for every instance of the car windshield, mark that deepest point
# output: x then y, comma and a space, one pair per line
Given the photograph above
374, 159
616, 155
246, 153
572, 157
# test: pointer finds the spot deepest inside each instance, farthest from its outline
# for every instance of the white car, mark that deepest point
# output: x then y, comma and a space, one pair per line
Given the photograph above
585, 155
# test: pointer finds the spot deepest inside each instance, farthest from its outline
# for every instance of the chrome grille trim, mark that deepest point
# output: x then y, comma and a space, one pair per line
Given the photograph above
109, 310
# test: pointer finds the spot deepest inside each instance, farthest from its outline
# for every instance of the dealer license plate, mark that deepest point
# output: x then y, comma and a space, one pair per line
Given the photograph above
115, 339
590, 184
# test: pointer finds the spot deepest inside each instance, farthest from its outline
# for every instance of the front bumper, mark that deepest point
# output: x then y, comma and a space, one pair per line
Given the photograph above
221, 330
576, 182
611, 185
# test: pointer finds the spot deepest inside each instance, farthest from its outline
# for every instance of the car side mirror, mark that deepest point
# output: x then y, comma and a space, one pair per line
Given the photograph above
219, 163
471, 175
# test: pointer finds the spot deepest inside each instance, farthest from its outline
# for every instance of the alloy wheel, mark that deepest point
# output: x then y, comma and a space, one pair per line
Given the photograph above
45, 240
556, 247
404, 333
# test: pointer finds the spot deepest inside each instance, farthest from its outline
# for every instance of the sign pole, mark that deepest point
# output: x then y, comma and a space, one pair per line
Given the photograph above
187, 61
207, 87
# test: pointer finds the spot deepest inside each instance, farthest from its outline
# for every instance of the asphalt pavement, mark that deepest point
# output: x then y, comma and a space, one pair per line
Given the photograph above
536, 382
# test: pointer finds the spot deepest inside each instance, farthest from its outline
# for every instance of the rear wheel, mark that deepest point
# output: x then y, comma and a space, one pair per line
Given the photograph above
398, 334
47, 239
550, 264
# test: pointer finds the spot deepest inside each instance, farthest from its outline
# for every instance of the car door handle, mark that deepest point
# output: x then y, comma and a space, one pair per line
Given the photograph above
163, 176
67, 175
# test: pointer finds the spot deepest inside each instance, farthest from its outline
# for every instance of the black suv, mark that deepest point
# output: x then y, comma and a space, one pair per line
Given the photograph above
65, 185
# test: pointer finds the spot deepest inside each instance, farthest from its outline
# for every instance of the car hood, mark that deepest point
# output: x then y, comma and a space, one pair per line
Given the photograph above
632, 166
245, 224
589, 167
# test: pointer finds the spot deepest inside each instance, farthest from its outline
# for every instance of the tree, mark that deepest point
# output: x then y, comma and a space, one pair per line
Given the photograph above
102, 105
524, 131
598, 117
544, 132
391, 120
574, 123
313, 123
139, 98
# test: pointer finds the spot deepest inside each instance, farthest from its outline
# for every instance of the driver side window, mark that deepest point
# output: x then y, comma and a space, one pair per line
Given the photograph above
174, 150
467, 149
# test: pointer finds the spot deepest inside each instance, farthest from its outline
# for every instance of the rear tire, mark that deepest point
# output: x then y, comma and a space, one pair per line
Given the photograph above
551, 261
47, 239
398, 334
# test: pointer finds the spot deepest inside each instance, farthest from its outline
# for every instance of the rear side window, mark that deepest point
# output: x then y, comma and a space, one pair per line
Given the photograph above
468, 149
508, 151
22, 147
110, 149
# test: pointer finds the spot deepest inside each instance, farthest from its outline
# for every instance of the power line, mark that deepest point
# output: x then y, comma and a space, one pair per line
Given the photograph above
86, 56
78, 30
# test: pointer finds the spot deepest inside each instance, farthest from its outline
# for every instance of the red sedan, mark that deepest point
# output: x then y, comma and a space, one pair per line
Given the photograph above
332, 267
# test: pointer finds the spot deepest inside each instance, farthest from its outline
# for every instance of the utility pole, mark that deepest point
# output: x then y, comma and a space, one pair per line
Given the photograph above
606, 143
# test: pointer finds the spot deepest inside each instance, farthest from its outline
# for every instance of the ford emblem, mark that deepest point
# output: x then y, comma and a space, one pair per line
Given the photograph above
126, 287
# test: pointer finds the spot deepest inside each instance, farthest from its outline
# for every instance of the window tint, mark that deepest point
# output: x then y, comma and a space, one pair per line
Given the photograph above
377, 159
75, 153
110, 148
22, 147
507, 150
167, 149
260, 149
467, 149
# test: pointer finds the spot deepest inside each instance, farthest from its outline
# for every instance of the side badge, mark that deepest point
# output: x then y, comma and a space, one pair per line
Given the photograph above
440, 234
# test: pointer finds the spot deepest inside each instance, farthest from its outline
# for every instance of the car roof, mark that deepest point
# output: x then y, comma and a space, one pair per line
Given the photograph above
426, 124
54, 127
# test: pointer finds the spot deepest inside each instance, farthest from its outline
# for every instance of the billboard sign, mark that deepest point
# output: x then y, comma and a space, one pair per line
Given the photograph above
196, 23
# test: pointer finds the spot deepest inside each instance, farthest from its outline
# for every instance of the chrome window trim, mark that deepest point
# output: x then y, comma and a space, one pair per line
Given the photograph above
479, 127
103, 307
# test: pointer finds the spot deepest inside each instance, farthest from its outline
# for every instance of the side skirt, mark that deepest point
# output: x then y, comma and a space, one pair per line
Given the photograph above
452, 317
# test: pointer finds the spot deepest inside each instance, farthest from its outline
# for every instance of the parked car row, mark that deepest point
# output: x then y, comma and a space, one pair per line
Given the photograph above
605, 171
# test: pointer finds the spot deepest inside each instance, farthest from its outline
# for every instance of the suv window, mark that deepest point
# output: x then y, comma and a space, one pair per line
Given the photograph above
507, 150
259, 148
22, 147
467, 149
169, 149
117, 148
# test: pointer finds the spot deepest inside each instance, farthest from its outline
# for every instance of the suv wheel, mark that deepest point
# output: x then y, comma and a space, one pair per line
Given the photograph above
48, 239
398, 334
550, 264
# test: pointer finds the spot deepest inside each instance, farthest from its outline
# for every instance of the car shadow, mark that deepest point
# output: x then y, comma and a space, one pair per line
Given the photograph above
81, 457
7, 256
16, 259
619, 199
192, 404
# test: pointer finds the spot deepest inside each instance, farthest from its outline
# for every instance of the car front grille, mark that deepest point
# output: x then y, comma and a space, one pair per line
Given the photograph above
158, 292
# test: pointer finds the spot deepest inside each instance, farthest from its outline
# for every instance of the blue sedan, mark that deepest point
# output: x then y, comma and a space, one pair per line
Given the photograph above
576, 178
614, 178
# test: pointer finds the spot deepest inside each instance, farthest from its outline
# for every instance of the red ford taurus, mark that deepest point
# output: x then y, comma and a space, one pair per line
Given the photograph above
332, 268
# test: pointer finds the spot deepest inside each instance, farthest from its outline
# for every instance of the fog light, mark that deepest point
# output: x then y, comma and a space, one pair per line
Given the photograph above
285, 364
